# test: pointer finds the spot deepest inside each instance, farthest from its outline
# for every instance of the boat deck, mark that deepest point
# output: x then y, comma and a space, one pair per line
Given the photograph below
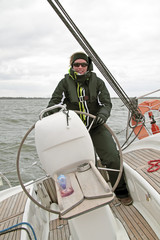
138, 160
134, 223
11, 213
12, 209
59, 230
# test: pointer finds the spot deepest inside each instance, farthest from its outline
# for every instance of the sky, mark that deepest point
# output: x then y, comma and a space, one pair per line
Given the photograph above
35, 46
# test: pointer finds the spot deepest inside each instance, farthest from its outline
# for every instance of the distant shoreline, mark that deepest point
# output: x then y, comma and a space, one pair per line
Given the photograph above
49, 98
24, 97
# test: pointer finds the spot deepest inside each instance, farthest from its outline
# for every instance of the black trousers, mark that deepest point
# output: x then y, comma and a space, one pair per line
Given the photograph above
109, 155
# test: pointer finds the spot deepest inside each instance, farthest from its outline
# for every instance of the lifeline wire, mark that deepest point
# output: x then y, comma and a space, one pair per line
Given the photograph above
93, 55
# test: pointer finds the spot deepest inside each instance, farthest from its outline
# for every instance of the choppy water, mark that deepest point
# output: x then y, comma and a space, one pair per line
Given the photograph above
17, 116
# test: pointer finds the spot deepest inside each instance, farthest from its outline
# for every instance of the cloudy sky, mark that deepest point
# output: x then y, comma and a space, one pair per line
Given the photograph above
35, 46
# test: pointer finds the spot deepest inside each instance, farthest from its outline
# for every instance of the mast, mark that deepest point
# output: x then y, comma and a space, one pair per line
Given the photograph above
58, 8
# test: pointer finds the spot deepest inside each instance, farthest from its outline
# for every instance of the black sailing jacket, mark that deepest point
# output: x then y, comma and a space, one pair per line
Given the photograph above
96, 96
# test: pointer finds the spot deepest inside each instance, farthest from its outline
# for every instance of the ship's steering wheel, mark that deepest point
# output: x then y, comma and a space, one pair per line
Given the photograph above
29, 131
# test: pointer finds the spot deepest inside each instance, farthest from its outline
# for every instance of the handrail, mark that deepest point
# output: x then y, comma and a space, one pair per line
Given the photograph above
63, 107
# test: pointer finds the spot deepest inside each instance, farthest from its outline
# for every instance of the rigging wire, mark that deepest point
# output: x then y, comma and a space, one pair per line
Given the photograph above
95, 58
123, 145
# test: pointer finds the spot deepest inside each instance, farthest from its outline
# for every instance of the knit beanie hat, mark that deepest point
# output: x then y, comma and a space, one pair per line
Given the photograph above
78, 55
81, 55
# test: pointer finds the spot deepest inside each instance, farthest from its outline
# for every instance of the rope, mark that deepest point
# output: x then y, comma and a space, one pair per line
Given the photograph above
22, 223
153, 163
17, 229
93, 55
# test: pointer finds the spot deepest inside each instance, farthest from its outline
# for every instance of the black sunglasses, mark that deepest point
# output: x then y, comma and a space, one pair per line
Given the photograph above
80, 64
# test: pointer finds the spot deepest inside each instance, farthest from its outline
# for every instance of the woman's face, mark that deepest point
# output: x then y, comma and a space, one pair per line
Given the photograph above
80, 66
